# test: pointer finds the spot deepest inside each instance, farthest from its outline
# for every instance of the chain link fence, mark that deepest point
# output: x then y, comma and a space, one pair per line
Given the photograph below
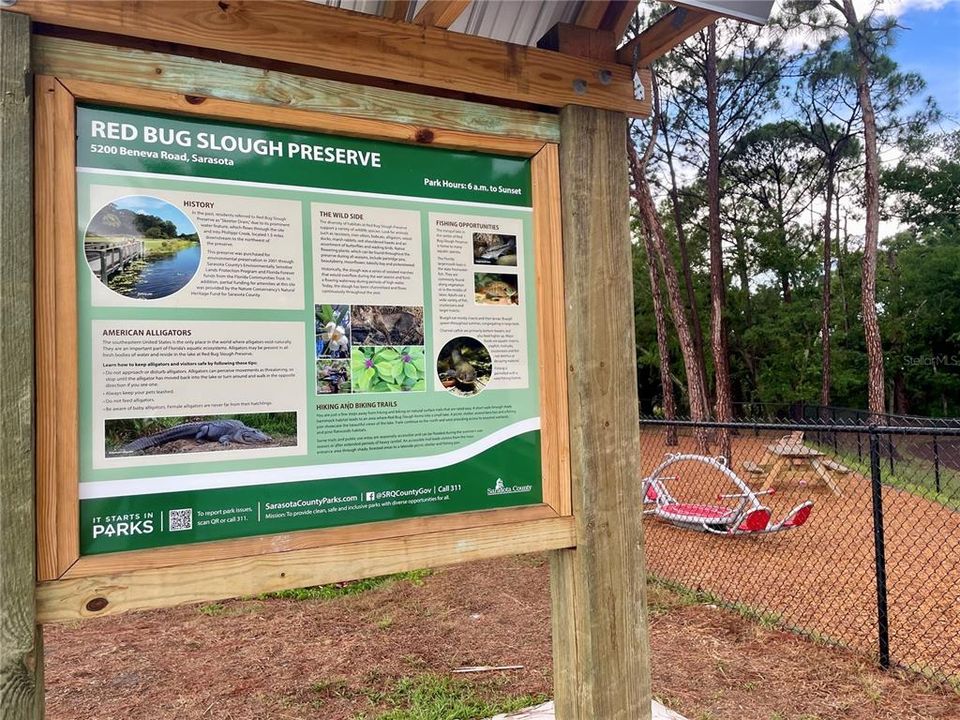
875, 567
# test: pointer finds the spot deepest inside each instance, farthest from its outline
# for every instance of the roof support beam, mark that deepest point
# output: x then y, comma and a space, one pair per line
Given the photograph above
665, 34
592, 12
337, 41
440, 13
618, 20
613, 16
396, 9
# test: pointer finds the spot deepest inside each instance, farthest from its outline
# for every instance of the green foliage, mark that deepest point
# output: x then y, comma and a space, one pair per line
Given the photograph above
213, 609
324, 314
776, 159
355, 587
434, 697
388, 369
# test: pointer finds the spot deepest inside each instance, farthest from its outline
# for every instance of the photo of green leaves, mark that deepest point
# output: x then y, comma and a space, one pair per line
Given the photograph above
387, 369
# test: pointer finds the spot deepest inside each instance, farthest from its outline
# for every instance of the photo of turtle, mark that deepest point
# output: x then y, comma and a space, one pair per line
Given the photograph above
464, 366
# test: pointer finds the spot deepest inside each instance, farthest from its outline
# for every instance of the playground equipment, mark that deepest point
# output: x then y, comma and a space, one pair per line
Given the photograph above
747, 517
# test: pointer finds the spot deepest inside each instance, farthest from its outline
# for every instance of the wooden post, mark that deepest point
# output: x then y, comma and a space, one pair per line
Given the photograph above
21, 658
601, 648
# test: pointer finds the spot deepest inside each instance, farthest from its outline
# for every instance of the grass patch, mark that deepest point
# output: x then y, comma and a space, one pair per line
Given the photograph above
354, 587
663, 595
434, 697
912, 474
167, 246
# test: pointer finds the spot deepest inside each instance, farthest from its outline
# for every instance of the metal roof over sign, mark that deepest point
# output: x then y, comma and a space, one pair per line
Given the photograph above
755, 11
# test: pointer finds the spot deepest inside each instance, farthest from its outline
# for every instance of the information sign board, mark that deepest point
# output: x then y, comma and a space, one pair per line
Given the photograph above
281, 330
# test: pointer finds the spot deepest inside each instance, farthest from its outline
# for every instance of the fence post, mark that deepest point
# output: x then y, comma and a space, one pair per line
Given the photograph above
890, 450
833, 419
936, 462
21, 640
880, 559
600, 644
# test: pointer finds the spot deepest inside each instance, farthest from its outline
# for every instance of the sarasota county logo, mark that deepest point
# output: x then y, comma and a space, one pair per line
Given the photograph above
501, 489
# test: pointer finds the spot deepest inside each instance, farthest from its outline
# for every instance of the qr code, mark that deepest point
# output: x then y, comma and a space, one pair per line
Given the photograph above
180, 519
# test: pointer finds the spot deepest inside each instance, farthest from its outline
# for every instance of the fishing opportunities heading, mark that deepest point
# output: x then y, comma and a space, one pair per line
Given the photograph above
233, 143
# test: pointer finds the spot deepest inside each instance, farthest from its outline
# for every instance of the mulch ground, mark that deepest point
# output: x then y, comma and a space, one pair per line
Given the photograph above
821, 577
337, 659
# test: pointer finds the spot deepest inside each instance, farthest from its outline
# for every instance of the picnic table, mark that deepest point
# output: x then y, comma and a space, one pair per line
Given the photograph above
790, 451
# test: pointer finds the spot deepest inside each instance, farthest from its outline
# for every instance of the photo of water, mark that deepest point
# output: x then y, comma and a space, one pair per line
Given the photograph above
142, 247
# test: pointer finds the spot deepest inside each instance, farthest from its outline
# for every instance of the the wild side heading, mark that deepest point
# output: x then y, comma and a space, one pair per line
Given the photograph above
227, 143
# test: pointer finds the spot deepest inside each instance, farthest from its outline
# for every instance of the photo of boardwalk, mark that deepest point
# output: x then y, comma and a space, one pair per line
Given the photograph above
142, 247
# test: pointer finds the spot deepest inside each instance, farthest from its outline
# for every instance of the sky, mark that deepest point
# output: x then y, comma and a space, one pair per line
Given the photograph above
930, 45
926, 44
160, 208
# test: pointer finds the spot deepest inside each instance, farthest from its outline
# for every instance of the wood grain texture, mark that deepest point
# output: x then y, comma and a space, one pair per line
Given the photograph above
65, 600
57, 342
591, 13
582, 42
619, 18
56, 330
21, 662
552, 354
396, 9
120, 95
601, 649
664, 35
328, 38
440, 13
71, 59
613, 16
118, 563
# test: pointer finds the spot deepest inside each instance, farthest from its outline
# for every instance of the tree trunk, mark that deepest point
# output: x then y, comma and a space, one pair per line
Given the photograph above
841, 264
654, 229
901, 401
692, 308
785, 286
663, 346
718, 329
825, 300
743, 274
871, 324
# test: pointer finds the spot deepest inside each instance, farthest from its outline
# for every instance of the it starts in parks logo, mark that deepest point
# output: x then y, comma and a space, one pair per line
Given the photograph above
500, 489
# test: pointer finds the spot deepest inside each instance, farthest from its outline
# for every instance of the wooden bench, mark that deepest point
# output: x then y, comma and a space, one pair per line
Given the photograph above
835, 466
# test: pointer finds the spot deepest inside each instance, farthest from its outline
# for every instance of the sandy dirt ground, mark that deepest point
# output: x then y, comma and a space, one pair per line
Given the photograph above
820, 578
337, 659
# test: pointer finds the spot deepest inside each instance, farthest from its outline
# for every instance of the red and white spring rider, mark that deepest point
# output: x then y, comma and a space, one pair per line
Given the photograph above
745, 517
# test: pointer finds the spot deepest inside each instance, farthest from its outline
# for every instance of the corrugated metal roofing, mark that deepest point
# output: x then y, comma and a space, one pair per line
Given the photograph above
756, 11
522, 22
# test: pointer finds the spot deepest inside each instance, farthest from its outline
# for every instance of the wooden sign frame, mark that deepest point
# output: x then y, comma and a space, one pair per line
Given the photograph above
71, 586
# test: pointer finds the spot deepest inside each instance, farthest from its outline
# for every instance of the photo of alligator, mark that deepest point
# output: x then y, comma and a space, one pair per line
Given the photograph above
166, 436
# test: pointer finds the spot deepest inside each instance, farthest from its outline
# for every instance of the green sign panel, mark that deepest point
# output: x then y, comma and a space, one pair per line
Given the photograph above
281, 331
